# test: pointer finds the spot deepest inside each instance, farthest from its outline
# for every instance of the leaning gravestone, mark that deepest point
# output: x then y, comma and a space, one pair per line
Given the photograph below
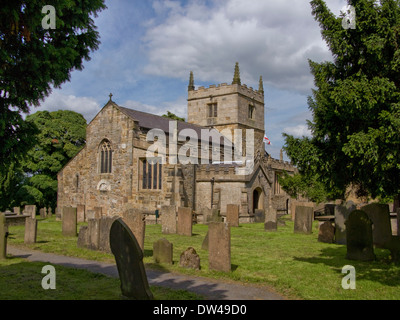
359, 237
219, 246
30, 230
136, 221
185, 220
168, 220
3, 236
326, 232
303, 219
163, 251
232, 215
129, 259
380, 217
342, 213
69, 222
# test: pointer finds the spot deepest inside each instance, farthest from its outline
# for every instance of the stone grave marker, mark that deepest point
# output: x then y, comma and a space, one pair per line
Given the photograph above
83, 237
94, 234
69, 222
271, 220
185, 220
326, 232
259, 216
80, 211
380, 217
17, 210
359, 237
232, 215
190, 259
129, 259
30, 210
303, 219
3, 236
342, 213
104, 233
219, 246
168, 220
136, 221
43, 213
30, 230
163, 251
49, 212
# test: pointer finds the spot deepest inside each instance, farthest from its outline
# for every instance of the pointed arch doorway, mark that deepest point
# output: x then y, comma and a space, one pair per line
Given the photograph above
258, 199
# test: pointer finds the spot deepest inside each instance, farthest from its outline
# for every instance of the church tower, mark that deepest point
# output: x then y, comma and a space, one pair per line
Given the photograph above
225, 106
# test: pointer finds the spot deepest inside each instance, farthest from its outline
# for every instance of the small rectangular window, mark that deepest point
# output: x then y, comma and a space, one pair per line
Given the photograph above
151, 175
212, 110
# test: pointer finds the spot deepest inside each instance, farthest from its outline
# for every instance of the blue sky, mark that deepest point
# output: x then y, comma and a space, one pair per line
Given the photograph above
148, 49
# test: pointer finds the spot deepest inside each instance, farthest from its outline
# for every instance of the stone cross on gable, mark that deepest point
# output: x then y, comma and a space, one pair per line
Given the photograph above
111, 95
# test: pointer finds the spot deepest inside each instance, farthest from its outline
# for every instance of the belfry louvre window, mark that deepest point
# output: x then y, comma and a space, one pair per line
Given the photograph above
151, 175
212, 110
105, 157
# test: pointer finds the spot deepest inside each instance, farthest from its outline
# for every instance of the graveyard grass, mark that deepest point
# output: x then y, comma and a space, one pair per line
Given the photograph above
295, 265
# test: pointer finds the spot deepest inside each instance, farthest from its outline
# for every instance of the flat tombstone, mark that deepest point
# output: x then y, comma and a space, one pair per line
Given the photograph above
129, 259
380, 217
80, 208
94, 234
30, 230
136, 221
303, 220
3, 239
185, 220
163, 251
69, 222
219, 246
326, 232
190, 259
259, 216
342, 213
359, 237
168, 218
232, 215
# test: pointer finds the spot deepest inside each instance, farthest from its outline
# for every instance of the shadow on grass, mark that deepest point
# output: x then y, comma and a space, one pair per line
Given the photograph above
381, 270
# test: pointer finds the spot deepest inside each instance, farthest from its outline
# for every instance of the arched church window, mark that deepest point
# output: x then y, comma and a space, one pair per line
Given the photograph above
105, 157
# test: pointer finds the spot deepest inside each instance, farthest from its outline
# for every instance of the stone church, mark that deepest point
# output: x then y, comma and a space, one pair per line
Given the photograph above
114, 171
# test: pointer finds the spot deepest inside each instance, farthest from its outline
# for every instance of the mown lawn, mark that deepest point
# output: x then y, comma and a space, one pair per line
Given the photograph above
296, 265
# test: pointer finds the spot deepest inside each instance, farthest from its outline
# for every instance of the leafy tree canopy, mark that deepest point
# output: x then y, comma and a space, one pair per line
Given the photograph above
173, 116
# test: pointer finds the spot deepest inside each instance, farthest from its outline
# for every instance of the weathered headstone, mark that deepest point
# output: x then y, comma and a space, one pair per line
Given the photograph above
104, 233
3, 236
259, 215
271, 220
219, 246
213, 215
190, 259
83, 237
94, 234
168, 218
129, 259
163, 251
30, 210
342, 213
69, 223
30, 230
359, 237
43, 213
136, 221
303, 219
380, 217
232, 215
17, 210
49, 212
185, 220
80, 211
326, 232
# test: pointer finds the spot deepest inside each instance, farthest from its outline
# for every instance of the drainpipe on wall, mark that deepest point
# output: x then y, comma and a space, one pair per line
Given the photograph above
212, 192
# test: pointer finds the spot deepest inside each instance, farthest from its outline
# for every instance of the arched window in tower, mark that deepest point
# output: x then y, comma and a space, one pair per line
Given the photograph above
105, 157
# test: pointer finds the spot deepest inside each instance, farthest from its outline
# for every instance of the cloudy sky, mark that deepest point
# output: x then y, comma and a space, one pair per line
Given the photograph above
148, 49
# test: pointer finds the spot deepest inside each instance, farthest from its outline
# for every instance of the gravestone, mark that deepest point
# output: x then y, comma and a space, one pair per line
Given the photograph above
168, 220
43, 213
259, 216
104, 233
17, 210
190, 259
232, 215
49, 212
219, 246
3, 236
163, 251
326, 232
94, 234
213, 215
30, 230
136, 221
80, 211
342, 213
129, 259
83, 237
30, 210
359, 237
69, 223
271, 220
303, 219
380, 217
185, 218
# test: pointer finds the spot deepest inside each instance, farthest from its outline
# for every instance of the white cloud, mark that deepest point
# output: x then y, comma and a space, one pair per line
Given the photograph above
298, 131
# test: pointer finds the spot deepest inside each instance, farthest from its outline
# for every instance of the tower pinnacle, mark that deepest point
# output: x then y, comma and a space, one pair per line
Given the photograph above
261, 86
236, 77
191, 82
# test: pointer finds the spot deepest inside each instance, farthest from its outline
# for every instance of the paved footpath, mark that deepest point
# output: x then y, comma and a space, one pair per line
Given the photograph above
210, 288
